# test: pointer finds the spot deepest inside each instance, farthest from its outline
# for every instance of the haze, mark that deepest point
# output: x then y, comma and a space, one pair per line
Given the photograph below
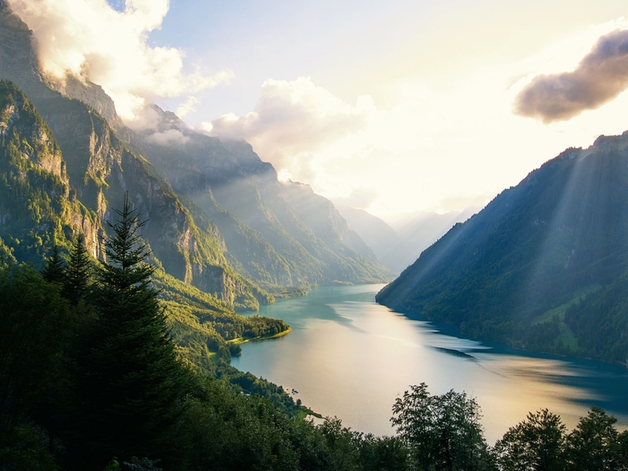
392, 107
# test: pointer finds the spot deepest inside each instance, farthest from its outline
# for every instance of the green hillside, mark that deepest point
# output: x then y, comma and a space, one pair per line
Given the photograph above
526, 268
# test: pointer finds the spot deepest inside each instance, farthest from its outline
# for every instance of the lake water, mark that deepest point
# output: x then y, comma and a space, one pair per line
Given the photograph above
350, 357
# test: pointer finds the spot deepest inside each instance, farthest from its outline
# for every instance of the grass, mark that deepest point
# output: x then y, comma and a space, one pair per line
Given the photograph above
560, 310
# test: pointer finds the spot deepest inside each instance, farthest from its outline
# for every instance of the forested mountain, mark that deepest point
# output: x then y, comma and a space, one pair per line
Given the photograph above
299, 237
543, 266
198, 232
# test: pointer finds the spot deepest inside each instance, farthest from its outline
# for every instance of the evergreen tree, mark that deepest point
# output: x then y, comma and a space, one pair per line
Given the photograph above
78, 273
54, 271
131, 384
33, 330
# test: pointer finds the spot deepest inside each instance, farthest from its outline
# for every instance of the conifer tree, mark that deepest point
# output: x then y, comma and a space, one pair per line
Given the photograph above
54, 271
131, 384
77, 278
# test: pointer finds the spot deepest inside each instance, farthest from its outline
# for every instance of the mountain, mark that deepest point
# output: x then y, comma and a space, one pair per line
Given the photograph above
298, 237
523, 270
400, 245
198, 233
378, 235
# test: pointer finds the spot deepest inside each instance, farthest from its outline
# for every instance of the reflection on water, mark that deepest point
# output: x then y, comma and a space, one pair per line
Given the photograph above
349, 357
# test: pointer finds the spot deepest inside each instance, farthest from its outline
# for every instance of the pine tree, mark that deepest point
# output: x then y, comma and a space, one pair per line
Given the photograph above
77, 278
54, 271
131, 384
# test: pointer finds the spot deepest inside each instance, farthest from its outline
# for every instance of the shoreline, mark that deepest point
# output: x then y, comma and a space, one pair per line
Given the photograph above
241, 340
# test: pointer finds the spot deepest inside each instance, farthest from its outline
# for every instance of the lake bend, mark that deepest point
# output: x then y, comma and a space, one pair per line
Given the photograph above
350, 357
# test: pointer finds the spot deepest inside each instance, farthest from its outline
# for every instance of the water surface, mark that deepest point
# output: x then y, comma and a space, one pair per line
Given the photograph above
350, 357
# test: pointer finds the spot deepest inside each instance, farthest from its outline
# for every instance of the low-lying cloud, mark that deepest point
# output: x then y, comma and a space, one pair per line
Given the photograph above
601, 76
92, 41
292, 121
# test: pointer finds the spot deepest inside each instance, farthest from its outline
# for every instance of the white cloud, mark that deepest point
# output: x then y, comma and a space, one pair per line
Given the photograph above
435, 148
187, 107
91, 40
293, 122
170, 137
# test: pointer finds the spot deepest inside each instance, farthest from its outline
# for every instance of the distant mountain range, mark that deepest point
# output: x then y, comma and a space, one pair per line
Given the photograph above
544, 266
218, 218
399, 245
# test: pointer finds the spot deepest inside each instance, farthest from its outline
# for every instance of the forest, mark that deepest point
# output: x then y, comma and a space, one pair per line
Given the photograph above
91, 378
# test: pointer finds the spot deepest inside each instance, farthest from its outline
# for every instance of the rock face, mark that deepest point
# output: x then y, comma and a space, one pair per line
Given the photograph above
278, 233
196, 232
35, 205
518, 270
95, 168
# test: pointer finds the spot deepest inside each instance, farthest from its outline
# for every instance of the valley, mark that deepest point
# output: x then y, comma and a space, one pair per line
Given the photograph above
171, 298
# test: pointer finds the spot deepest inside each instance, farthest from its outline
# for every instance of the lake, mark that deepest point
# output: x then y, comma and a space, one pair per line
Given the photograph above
350, 357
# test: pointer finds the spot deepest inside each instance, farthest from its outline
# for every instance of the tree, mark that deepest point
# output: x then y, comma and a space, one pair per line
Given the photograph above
441, 432
535, 444
130, 384
54, 271
594, 443
77, 273
34, 323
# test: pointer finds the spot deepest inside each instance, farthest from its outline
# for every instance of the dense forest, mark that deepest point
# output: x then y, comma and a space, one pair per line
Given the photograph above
542, 267
91, 379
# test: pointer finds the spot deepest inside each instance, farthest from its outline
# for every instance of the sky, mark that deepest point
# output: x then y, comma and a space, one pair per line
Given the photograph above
393, 107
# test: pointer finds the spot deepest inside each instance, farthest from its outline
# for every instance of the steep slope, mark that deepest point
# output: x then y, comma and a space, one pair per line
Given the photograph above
511, 271
100, 168
383, 239
198, 167
299, 236
399, 245
36, 210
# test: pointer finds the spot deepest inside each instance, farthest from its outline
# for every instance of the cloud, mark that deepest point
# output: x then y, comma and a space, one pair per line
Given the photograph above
360, 198
292, 121
170, 137
189, 106
91, 40
599, 77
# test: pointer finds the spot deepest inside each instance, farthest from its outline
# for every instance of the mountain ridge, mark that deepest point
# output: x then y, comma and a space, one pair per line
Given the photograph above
511, 272
104, 159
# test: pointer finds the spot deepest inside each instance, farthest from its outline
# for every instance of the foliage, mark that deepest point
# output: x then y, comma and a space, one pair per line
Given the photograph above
516, 271
593, 444
77, 279
441, 432
537, 443
130, 382
34, 322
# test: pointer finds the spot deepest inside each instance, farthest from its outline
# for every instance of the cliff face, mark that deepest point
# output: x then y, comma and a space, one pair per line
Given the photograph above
94, 167
218, 218
279, 233
36, 208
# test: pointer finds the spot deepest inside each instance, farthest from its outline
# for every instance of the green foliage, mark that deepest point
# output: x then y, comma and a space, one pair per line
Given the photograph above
593, 444
537, 443
130, 382
441, 432
515, 272
251, 385
55, 269
34, 322
27, 447
599, 321
78, 277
